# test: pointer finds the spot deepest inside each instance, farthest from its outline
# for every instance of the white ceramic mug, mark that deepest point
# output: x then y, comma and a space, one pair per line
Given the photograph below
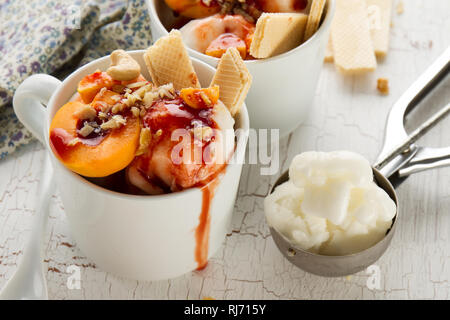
283, 86
138, 237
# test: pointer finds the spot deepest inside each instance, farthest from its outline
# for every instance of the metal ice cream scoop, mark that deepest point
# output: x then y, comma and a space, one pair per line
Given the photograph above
399, 158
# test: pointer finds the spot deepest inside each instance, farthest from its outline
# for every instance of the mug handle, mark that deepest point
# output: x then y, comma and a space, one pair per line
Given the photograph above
29, 101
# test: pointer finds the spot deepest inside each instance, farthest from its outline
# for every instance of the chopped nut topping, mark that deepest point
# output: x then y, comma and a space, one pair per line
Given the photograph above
115, 122
135, 111
110, 124
118, 107
143, 90
86, 113
136, 84
205, 98
86, 130
149, 98
166, 90
144, 141
130, 99
102, 115
119, 119
248, 10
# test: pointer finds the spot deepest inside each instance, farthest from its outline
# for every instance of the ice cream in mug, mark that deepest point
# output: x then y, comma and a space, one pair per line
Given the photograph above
256, 28
121, 121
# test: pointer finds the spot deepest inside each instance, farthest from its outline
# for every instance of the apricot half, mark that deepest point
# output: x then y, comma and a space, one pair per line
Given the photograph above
91, 84
193, 8
97, 156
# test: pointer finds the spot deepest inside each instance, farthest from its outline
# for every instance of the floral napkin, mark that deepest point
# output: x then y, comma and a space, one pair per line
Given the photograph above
56, 37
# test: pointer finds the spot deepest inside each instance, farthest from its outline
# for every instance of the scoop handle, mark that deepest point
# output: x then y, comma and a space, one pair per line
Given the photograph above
399, 148
425, 159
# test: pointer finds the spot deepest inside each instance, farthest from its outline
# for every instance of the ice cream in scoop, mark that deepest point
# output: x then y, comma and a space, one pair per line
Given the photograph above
330, 205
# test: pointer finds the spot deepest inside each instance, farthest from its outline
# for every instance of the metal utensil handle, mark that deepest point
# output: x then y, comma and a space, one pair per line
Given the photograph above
425, 159
397, 144
418, 167
415, 135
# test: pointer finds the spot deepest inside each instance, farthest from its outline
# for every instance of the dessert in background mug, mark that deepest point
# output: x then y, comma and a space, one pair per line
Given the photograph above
283, 86
143, 237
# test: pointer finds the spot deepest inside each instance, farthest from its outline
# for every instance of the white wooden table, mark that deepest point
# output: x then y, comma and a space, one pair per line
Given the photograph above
348, 113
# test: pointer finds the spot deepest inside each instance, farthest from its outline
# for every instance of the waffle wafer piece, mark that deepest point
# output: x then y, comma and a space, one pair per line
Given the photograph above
379, 17
233, 79
315, 14
277, 33
351, 41
168, 62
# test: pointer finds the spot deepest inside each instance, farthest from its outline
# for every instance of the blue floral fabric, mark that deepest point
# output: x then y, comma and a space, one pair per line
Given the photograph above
55, 37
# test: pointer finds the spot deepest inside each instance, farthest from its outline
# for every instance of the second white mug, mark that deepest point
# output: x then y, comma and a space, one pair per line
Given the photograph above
283, 86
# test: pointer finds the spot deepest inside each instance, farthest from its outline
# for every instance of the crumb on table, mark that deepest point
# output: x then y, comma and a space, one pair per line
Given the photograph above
383, 85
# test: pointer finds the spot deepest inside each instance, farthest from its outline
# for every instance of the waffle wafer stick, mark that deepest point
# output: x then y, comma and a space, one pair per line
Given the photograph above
233, 79
277, 33
351, 41
379, 17
315, 14
168, 62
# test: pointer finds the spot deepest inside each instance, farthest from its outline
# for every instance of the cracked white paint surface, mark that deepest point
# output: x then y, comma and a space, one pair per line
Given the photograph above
347, 114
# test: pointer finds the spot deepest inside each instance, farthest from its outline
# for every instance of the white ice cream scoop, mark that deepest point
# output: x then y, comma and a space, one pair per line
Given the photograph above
330, 205
399, 158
